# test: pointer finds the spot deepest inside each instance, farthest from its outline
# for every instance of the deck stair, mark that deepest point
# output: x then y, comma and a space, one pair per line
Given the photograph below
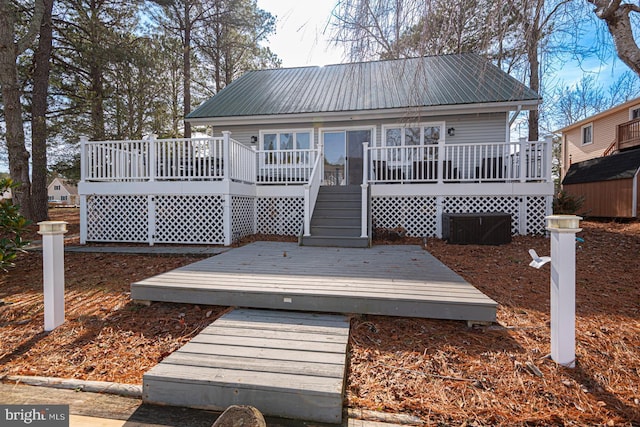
336, 220
286, 364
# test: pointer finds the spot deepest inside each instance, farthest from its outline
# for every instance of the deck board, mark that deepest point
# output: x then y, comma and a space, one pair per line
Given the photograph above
387, 280
294, 372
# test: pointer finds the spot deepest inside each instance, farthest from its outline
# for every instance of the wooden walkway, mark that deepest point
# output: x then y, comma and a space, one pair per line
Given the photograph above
285, 364
386, 280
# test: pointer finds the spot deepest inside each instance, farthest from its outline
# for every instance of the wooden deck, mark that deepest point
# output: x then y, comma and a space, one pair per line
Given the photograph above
286, 364
386, 280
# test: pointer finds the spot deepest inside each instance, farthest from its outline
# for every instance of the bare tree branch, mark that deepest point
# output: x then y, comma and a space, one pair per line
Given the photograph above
617, 16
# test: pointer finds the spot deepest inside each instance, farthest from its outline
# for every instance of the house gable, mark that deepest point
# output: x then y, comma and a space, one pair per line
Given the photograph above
603, 134
62, 190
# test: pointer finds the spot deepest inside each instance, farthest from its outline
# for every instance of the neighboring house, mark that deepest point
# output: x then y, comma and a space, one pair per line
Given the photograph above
328, 154
63, 192
7, 194
615, 129
601, 159
608, 184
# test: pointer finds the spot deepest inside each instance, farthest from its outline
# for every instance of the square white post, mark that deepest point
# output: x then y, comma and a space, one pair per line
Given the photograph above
563, 229
52, 233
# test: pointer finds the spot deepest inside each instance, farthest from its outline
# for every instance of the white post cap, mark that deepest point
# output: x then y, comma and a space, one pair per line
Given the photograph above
52, 227
563, 222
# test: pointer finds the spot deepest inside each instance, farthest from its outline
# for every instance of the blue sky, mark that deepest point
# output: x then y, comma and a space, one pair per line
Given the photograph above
302, 39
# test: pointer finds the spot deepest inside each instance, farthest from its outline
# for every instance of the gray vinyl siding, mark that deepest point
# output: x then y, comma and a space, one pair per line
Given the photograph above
473, 128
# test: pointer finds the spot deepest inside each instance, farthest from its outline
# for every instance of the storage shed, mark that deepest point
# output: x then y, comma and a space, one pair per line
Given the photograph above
608, 184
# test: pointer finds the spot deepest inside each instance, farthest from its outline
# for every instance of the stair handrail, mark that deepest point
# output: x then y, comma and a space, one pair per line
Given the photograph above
612, 147
364, 217
311, 190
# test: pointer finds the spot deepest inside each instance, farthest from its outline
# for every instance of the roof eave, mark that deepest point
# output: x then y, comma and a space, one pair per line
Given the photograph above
439, 110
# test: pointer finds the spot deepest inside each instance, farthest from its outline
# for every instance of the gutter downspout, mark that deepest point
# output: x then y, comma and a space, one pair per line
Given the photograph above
515, 115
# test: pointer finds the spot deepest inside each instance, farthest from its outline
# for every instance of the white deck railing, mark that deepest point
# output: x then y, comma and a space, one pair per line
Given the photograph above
221, 157
521, 161
311, 191
242, 161
180, 159
285, 166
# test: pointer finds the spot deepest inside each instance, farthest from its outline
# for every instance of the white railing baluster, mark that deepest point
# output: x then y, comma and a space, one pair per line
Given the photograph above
223, 158
151, 157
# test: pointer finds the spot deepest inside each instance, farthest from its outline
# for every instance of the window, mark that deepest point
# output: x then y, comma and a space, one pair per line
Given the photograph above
423, 134
634, 113
283, 143
587, 134
51, 198
63, 198
56, 188
418, 136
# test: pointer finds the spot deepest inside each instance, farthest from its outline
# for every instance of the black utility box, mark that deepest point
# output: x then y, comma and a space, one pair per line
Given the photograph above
482, 228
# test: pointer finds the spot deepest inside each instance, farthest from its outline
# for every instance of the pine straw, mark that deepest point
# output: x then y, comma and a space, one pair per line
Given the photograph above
441, 371
445, 372
106, 337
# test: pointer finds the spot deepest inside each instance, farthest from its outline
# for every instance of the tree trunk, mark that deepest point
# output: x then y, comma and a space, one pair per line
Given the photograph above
534, 84
187, 68
42, 67
533, 34
96, 70
18, 155
616, 16
97, 99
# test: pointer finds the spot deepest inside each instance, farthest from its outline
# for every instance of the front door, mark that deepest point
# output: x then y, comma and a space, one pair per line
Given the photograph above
343, 156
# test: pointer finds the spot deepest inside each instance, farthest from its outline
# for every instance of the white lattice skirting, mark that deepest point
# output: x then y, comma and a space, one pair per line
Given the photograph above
199, 219
421, 216
243, 217
280, 215
193, 219
188, 219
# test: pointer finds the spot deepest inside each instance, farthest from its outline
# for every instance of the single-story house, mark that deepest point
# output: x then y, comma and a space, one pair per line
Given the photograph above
63, 192
609, 185
328, 154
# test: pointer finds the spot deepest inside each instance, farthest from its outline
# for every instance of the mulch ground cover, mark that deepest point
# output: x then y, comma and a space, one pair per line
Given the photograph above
443, 372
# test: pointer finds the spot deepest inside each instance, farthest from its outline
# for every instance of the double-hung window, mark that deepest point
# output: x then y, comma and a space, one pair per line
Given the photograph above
413, 142
287, 146
587, 134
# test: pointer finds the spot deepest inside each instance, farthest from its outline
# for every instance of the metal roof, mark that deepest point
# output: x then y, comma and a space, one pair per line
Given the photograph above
623, 165
404, 83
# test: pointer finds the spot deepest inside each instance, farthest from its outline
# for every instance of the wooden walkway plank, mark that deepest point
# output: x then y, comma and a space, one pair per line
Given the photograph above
262, 353
251, 343
322, 369
269, 334
281, 376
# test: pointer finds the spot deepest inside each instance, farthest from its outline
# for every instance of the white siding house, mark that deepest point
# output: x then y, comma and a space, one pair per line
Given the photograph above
405, 141
63, 192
